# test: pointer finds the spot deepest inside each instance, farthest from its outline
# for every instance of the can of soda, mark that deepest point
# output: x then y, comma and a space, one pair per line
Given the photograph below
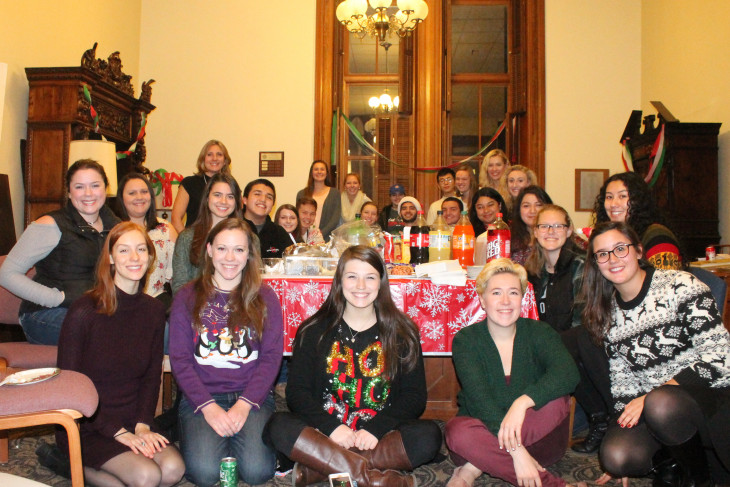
229, 472
710, 253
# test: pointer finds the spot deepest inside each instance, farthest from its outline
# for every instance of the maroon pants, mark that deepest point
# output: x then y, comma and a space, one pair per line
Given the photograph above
544, 434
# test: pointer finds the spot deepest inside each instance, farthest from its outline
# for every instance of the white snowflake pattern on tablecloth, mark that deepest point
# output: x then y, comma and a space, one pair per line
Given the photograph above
433, 330
435, 299
294, 320
411, 288
471, 290
460, 321
311, 310
278, 287
412, 312
312, 288
293, 294
460, 298
441, 347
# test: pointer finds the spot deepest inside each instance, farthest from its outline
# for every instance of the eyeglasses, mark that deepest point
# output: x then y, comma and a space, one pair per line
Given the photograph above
545, 227
446, 180
620, 251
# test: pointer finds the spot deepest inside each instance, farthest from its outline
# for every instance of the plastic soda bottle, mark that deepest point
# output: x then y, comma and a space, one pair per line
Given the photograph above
498, 240
439, 239
462, 242
419, 240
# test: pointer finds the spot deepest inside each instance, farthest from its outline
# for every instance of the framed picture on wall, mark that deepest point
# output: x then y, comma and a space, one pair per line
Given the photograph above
588, 184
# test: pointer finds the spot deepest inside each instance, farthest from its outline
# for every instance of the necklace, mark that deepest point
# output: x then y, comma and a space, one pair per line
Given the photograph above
352, 335
91, 224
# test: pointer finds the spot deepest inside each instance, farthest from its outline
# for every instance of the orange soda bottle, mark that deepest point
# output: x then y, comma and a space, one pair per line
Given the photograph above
463, 241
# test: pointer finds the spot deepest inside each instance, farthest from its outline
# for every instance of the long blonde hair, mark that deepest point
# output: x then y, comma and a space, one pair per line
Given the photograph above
484, 178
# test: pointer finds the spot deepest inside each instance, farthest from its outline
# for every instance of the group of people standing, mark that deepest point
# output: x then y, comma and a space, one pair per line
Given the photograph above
638, 341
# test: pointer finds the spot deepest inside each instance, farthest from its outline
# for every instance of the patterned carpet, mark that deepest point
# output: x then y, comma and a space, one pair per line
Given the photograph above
24, 463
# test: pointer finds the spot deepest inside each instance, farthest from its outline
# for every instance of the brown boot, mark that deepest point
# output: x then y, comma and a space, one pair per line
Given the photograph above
302, 475
389, 453
319, 453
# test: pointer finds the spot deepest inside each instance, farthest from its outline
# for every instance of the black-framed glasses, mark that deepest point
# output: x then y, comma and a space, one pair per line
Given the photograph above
545, 227
620, 251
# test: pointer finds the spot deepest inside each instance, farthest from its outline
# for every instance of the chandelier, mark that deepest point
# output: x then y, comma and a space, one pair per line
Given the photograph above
353, 15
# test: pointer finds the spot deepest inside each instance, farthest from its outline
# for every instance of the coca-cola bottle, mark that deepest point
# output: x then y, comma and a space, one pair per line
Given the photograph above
498, 240
462, 242
419, 240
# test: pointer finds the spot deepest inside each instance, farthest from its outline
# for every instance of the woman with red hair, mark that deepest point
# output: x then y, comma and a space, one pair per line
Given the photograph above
114, 334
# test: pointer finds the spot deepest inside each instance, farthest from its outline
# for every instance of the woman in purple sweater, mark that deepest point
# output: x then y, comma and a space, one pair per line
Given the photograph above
226, 341
113, 334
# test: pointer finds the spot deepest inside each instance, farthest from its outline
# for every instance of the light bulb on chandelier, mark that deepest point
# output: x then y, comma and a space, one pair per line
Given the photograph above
353, 15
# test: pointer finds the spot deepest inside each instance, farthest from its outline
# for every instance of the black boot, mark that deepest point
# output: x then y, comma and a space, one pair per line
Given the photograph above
598, 427
692, 459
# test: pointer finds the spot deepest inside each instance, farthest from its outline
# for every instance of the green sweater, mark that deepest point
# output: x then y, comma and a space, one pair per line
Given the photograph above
542, 368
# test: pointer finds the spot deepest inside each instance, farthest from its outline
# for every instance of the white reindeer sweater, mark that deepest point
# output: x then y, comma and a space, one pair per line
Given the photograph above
671, 330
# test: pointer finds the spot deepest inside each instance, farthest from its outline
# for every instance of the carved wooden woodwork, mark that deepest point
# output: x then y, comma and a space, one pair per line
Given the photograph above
58, 113
686, 189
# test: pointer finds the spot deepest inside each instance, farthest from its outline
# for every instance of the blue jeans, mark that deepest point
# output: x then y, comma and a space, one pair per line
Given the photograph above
43, 327
203, 449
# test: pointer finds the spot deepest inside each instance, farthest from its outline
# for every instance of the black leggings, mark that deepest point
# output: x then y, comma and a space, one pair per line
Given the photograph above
421, 438
672, 416
593, 392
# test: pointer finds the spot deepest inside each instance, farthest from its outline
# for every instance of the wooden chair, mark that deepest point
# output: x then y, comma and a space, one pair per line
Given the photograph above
60, 400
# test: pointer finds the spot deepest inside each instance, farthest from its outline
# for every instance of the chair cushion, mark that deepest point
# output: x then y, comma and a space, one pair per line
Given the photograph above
68, 390
28, 356
8, 480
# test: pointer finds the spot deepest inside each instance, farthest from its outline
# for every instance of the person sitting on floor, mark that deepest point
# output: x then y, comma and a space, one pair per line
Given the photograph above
356, 386
114, 334
516, 376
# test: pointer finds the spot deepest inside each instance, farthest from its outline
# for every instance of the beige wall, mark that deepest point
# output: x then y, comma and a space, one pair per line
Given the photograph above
684, 53
39, 33
593, 81
222, 73
240, 72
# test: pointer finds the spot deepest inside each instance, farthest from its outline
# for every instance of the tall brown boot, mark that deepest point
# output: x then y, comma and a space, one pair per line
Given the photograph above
389, 453
319, 453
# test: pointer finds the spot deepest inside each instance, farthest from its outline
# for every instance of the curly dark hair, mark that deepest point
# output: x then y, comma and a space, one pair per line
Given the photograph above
643, 210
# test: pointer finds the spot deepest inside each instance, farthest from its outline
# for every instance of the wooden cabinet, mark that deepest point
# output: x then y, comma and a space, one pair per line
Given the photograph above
59, 112
686, 189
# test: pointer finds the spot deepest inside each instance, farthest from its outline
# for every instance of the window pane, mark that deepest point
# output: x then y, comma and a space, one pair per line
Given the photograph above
361, 54
476, 112
362, 115
479, 39
391, 56
365, 168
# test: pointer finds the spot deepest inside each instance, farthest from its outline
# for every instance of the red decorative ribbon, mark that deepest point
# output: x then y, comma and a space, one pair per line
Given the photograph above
433, 169
162, 181
92, 110
140, 135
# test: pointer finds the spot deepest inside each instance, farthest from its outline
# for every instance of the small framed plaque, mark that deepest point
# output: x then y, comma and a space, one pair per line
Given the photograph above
588, 184
271, 164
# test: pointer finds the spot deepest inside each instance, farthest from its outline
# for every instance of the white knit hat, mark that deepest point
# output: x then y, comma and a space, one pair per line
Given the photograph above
410, 199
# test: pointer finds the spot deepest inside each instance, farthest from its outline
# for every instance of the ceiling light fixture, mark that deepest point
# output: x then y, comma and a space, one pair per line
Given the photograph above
353, 15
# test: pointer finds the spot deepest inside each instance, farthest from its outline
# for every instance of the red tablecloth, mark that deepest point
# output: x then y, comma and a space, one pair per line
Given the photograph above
439, 311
